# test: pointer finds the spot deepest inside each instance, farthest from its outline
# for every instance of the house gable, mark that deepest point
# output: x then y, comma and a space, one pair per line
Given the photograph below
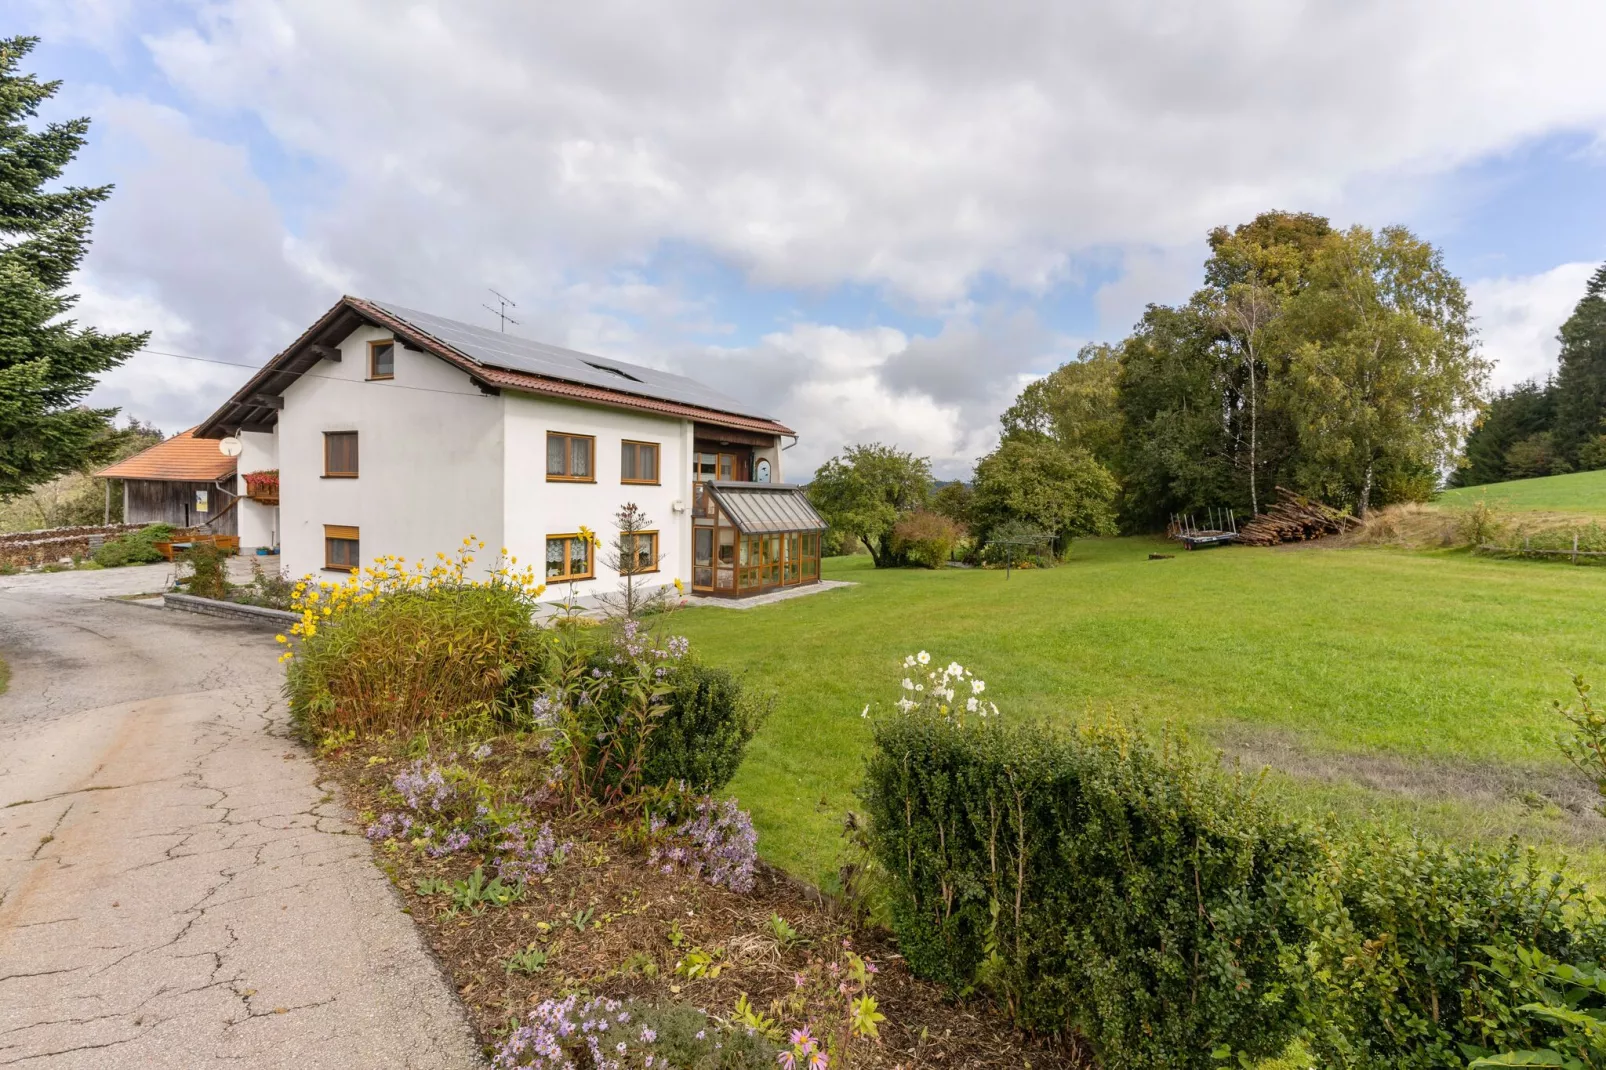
533, 368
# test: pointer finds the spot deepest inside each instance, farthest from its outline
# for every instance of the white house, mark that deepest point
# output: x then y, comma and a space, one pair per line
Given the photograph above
399, 432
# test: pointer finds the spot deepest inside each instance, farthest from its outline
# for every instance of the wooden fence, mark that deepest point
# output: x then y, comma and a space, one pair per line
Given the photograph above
1528, 550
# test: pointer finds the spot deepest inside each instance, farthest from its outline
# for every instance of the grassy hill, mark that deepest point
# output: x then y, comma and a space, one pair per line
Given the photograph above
1576, 492
1415, 686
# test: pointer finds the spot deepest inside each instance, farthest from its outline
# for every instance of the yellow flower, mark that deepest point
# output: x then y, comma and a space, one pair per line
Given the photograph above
281, 639
680, 588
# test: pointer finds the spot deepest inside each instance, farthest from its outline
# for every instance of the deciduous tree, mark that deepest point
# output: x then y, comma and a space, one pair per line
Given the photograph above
1065, 492
1384, 371
866, 489
1075, 405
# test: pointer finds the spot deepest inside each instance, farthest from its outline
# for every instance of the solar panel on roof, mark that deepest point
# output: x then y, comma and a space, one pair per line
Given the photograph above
512, 353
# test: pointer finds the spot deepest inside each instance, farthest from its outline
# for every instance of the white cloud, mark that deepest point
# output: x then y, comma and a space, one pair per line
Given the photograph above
1518, 319
563, 152
883, 144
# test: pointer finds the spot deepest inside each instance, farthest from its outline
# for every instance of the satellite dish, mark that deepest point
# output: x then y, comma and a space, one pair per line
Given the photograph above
230, 447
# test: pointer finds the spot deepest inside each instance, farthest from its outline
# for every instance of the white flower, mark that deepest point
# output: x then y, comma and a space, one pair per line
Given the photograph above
971, 704
994, 705
909, 662
908, 684
920, 687
866, 711
905, 705
923, 657
948, 693
978, 686
955, 669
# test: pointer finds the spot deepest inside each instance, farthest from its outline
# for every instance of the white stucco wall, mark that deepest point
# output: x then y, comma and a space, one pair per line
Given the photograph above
536, 508
430, 459
258, 523
773, 455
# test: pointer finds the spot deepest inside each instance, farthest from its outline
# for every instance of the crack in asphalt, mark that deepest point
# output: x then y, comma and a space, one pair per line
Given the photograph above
211, 884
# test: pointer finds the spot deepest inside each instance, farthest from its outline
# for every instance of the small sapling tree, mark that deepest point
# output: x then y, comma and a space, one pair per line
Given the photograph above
633, 553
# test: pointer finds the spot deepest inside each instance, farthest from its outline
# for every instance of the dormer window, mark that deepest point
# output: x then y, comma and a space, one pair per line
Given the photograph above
382, 360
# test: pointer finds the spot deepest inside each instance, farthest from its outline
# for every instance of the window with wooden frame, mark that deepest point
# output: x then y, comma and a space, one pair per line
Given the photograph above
642, 555
638, 462
340, 454
342, 550
382, 360
568, 457
569, 557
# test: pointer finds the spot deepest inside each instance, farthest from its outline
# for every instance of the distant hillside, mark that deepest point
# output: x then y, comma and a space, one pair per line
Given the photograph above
1577, 492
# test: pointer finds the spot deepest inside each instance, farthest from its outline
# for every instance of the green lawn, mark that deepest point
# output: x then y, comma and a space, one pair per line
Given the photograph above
1577, 492
1339, 654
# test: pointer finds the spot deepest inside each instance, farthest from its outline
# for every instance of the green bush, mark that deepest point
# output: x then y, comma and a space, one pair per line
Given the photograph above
704, 729
1090, 882
208, 567
1401, 932
412, 657
134, 547
926, 538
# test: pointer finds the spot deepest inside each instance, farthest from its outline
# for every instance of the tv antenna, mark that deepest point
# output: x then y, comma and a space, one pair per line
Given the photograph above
501, 313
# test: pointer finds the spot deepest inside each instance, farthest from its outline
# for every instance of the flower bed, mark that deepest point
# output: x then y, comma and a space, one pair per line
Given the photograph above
600, 914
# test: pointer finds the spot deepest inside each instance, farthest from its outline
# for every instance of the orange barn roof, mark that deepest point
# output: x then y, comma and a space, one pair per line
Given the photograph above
182, 458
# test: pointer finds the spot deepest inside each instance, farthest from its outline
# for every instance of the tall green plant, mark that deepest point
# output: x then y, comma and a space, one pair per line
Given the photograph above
1090, 882
1585, 745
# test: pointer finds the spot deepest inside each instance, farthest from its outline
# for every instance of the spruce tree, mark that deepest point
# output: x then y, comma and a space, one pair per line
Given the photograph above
47, 363
1581, 375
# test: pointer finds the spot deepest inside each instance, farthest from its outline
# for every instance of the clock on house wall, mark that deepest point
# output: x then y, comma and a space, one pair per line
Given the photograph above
761, 471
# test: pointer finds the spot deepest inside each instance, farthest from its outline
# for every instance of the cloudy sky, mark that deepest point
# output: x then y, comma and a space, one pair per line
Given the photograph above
876, 220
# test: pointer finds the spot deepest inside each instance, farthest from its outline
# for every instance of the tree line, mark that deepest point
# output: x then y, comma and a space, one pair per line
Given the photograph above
1559, 425
1338, 363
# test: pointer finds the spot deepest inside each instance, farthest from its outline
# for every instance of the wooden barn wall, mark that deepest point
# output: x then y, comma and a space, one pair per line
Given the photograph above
151, 501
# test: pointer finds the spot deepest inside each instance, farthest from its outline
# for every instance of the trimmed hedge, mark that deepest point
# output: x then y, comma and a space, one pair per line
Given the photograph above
1091, 883
704, 730
1395, 971
1095, 884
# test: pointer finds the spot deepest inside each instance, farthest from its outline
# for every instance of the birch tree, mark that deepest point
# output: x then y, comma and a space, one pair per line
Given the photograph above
1383, 371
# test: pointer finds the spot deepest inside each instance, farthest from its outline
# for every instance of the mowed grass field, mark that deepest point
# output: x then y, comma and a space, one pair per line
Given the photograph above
1412, 686
1576, 492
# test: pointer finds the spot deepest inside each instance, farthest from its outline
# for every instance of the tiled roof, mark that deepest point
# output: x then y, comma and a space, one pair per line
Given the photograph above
181, 459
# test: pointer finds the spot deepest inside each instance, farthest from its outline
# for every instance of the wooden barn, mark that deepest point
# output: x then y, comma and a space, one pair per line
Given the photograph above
183, 481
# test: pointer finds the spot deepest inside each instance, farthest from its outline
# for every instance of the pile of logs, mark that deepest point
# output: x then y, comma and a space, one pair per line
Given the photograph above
1294, 518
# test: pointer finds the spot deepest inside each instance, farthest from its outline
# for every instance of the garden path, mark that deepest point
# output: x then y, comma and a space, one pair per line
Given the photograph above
177, 889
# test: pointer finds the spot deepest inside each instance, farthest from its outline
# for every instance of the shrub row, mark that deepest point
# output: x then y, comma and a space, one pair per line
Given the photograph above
1137, 896
404, 653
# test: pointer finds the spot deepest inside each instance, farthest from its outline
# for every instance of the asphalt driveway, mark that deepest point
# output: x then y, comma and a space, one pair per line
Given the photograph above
176, 887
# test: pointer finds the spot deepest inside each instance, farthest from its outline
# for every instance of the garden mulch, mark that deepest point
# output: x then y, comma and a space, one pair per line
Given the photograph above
606, 919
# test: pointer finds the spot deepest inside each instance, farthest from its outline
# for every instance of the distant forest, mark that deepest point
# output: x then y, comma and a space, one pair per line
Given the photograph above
1545, 429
